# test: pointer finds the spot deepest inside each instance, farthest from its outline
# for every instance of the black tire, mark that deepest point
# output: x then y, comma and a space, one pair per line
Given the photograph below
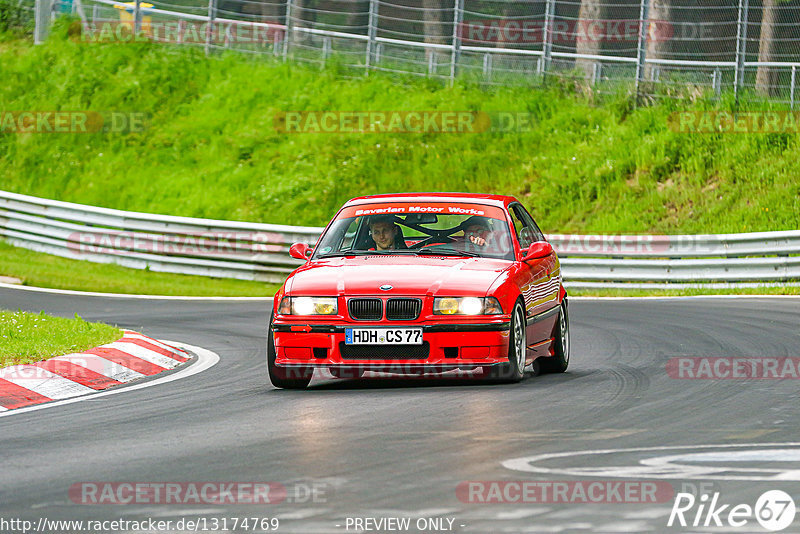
559, 362
283, 377
347, 372
514, 370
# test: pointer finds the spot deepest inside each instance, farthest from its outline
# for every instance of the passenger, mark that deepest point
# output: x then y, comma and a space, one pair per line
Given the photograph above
477, 230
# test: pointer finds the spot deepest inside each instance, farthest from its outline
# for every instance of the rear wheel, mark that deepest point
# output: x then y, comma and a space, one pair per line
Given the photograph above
283, 377
514, 370
559, 361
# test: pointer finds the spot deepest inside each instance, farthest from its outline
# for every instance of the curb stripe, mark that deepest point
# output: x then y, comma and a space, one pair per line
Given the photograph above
102, 366
43, 382
14, 396
136, 335
126, 360
155, 348
76, 373
65, 378
145, 354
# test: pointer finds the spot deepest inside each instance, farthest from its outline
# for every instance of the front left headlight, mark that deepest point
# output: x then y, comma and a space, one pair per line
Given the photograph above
466, 306
308, 306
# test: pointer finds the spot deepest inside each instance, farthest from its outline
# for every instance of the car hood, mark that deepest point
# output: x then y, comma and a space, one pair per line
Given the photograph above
413, 275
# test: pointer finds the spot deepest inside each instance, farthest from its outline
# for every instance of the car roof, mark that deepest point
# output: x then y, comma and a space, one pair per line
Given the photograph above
491, 200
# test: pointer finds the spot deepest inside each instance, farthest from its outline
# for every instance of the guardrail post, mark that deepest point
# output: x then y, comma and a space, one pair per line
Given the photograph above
716, 82
288, 36
458, 16
741, 48
547, 35
792, 86
597, 68
212, 12
378, 52
372, 30
644, 15
431, 63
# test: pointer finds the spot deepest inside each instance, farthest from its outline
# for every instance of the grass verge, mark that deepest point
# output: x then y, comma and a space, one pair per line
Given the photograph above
45, 270
585, 164
32, 337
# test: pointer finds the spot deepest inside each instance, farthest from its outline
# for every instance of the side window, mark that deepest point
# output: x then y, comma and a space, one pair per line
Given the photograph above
350, 235
525, 216
527, 232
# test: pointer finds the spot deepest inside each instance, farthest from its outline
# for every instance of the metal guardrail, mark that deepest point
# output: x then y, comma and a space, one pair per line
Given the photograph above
251, 251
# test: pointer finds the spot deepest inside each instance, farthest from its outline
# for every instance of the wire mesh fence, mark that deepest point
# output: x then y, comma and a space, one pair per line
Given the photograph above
662, 47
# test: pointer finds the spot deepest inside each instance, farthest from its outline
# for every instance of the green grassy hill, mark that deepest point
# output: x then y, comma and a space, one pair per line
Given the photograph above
210, 149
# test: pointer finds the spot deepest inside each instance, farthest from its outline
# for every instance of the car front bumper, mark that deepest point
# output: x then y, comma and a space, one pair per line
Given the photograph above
445, 346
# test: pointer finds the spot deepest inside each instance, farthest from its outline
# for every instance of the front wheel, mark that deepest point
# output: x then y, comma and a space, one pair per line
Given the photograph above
514, 370
559, 361
282, 377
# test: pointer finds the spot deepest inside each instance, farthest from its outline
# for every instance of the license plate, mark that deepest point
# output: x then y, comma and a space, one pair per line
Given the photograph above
383, 336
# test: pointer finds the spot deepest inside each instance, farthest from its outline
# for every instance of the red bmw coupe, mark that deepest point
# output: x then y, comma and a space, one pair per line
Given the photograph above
419, 283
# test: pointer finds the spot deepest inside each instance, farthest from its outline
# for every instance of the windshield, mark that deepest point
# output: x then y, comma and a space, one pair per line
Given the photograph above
431, 228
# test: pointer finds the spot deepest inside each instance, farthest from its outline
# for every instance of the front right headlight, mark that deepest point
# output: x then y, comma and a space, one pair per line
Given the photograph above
308, 306
466, 306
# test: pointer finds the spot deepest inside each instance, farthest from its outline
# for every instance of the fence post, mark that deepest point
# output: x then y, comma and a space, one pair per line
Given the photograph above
212, 12
644, 16
741, 48
137, 17
717, 82
487, 67
458, 15
42, 14
326, 50
547, 34
288, 36
372, 30
792, 86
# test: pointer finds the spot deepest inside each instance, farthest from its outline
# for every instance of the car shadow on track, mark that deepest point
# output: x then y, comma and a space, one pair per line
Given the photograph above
435, 381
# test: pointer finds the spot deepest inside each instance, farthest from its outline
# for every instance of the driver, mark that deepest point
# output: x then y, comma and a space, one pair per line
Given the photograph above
384, 232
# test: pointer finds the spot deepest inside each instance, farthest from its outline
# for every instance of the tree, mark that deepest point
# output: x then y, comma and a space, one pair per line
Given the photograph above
660, 25
766, 77
585, 43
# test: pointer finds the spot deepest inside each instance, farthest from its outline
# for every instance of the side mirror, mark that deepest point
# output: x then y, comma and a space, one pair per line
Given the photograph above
300, 251
538, 250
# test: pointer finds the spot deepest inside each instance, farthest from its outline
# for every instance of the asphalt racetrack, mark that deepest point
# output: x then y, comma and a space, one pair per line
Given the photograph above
401, 448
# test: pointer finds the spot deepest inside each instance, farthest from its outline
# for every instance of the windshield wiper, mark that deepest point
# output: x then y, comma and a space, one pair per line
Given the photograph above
446, 251
355, 253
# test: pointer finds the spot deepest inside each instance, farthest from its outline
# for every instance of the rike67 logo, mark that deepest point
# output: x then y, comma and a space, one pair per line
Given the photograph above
774, 510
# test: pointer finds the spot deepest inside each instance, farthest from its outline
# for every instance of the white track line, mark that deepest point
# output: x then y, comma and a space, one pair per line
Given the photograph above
125, 295
269, 299
205, 360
